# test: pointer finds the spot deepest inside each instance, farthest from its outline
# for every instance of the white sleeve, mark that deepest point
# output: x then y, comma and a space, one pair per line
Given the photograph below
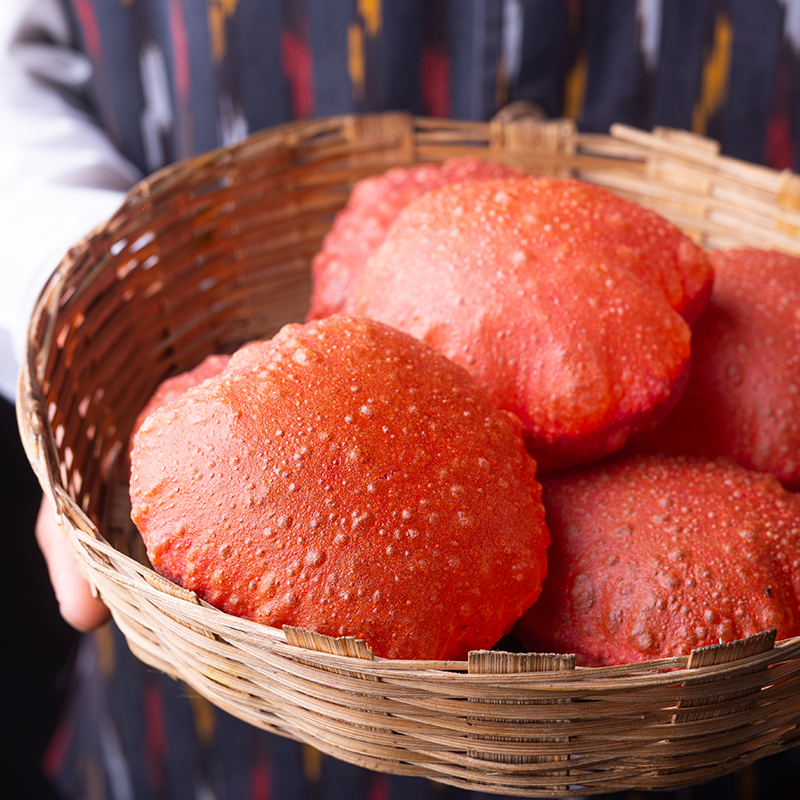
60, 176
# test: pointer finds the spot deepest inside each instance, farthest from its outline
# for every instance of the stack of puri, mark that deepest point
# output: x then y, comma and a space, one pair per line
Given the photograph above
518, 405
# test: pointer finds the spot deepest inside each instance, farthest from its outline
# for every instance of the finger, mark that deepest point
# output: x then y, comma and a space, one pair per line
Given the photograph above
74, 595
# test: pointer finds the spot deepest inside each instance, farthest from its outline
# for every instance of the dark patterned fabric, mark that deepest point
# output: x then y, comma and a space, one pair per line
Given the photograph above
177, 77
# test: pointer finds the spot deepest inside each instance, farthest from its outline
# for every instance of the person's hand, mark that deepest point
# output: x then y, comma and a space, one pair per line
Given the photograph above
75, 600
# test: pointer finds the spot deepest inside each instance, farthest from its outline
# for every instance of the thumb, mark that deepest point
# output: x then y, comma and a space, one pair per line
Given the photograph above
75, 600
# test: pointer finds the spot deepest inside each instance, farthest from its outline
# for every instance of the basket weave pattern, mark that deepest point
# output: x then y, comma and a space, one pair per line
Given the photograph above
215, 251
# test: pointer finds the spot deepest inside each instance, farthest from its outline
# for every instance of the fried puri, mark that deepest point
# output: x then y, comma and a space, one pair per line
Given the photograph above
345, 478
743, 397
568, 304
372, 207
653, 556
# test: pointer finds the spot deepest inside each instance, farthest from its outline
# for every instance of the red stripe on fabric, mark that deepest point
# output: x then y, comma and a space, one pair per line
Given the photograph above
779, 146
379, 789
55, 755
435, 77
155, 745
180, 49
91, 31
298, 67
261, 779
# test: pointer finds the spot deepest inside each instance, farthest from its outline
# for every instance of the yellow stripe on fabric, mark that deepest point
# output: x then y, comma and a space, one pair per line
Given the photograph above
218, 13
575, 88
312, 763
205, 720
94, 774
716, 70
501, 89
372, 13
748, 786
355, 59
104, 642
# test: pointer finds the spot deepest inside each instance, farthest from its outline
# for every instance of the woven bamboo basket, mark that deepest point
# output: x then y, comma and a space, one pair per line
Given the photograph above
215, 251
